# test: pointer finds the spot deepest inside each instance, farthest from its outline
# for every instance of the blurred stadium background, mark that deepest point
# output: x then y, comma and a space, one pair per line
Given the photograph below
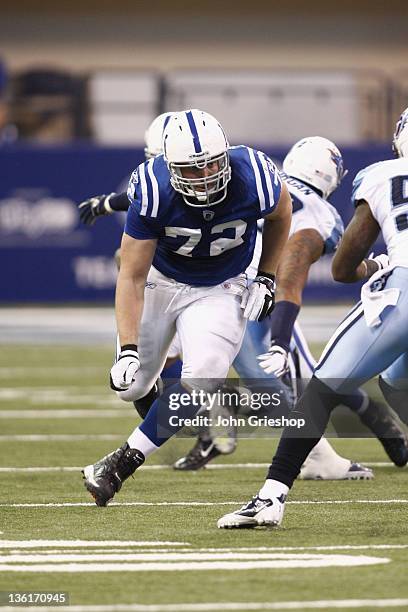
80, 83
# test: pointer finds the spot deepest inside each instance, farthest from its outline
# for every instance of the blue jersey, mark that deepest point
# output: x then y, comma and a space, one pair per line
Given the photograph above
203, 246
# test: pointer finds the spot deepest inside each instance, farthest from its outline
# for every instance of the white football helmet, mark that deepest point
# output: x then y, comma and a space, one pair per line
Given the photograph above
195, 140
154, 135
400, 139
316, 161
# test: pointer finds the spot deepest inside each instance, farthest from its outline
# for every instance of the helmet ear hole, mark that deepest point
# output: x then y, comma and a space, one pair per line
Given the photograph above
196, 152
316, 161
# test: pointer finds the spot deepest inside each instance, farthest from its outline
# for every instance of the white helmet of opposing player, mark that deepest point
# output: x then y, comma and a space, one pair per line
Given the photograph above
400, 140
316, 161
196, 151
154, 135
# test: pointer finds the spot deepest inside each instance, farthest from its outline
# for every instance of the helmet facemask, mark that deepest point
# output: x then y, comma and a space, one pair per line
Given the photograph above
196, 153
202, 191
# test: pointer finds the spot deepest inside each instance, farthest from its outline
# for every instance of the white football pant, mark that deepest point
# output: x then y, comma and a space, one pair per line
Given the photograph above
208, 320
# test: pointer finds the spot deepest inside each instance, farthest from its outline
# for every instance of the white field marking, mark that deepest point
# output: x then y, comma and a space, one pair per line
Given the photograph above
124, 557
118, 504
59, 413
232, 466
53, 370
268, 549
202, 503
274, 562
58, 437
153, 467
226, 606
84, 543
39, 469
44, 552
57, 395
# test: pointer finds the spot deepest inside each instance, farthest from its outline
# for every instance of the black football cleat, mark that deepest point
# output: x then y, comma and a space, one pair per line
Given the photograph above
105, 477
202, 453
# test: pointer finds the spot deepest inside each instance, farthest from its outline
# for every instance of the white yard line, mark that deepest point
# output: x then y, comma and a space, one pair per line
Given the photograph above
46, 547
216, 466
300, 561
83, 543
62, 413
225, 606
53, 370
201, 503
171, 557
57, 437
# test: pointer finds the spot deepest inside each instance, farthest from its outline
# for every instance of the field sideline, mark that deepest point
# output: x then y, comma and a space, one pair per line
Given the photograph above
343, 546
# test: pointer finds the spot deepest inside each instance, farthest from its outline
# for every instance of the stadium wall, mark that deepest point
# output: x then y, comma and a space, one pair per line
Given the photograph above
240, 34
48, 256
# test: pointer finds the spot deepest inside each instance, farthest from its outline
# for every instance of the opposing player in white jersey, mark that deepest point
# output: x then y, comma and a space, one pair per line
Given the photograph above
370, 340
313, 169
190, 233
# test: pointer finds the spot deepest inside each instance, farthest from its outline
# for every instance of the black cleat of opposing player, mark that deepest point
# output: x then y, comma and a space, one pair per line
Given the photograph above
105, 477
202, 453
381, 420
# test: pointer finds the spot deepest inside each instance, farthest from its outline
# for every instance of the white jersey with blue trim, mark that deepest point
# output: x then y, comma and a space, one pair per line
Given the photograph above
384, 186
309, 211
203, 246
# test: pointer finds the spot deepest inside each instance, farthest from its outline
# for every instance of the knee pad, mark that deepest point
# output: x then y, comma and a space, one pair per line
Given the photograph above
144, 403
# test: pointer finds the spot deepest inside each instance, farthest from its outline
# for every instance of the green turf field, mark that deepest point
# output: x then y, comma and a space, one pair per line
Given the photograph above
157, 548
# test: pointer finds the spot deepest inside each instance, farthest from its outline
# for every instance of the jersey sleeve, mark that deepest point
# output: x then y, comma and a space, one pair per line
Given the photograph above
139, 224
268, 182
364, 186
334, 232
119, 202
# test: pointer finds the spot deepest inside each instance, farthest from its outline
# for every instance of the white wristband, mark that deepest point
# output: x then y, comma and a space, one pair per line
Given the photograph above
106, 204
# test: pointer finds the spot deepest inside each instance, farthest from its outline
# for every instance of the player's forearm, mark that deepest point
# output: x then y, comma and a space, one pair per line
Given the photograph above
274, 236
129, 308
301, 251
275, 233
287, 292
353, 273
119, 202
348, 265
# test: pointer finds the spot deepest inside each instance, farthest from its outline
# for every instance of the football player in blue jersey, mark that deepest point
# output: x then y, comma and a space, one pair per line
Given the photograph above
106, 204
189, 237
367, 342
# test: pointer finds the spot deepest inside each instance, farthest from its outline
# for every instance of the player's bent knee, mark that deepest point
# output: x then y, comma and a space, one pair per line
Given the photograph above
208, 374
133, 393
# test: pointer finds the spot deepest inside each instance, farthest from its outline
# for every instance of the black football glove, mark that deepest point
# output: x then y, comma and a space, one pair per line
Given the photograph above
94, 207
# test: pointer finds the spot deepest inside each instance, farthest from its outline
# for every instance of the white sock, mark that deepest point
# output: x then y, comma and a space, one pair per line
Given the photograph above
139, 440
273, 488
